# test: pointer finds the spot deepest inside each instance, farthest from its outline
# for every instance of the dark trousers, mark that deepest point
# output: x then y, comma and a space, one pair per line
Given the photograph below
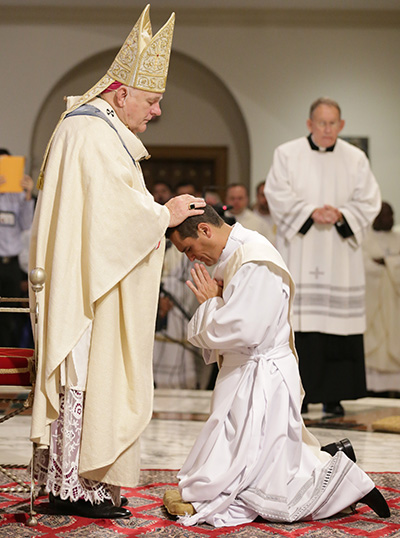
331, 366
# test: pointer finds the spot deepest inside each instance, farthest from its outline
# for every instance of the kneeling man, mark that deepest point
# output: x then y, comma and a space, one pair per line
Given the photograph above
254, 456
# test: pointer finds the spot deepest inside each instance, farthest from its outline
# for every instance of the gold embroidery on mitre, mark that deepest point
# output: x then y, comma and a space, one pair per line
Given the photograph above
143, 60
125, 62
153, 62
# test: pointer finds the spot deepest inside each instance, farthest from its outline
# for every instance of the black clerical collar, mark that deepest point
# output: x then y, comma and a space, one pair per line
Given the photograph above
316, 148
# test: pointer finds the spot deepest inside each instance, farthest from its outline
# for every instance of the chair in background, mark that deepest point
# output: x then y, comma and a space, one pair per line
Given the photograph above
18, 370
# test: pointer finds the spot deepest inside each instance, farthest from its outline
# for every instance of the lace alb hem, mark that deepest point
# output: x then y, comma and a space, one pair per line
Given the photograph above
57, 467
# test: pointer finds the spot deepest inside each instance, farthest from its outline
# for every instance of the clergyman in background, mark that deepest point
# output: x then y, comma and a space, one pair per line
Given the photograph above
323, 197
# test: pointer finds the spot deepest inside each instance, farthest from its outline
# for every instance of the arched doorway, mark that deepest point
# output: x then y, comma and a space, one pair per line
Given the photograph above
199, 111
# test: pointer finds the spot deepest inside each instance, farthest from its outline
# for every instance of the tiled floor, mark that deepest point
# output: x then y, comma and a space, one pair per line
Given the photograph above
179, 416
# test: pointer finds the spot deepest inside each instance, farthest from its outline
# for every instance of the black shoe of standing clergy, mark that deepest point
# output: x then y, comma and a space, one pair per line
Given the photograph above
344, 445
375, 500
104, 510
333, 408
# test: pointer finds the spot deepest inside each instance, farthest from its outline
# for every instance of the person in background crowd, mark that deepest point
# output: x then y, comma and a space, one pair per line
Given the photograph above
16, 214
261, 209
162, 192
237, 196
382, 336
176, 363
187, 187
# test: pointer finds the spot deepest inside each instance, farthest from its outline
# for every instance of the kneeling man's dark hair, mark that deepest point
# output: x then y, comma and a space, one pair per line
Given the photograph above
188, 228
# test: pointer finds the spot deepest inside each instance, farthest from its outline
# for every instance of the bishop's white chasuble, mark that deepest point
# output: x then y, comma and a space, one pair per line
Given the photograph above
98, 234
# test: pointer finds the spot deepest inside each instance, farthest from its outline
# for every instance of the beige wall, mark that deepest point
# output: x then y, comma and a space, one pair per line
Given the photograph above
198, 110
272, 70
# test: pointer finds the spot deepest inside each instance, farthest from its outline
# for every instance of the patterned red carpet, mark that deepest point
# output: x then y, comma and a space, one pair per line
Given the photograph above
151, 520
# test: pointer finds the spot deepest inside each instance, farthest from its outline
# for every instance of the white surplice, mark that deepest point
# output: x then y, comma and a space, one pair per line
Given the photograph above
382, 337
327, 269
254, 455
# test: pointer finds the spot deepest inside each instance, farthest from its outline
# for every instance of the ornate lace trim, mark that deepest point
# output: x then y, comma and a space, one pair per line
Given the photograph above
57, 467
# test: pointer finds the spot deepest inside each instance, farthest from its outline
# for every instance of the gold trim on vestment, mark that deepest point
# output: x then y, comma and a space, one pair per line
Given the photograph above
14, 370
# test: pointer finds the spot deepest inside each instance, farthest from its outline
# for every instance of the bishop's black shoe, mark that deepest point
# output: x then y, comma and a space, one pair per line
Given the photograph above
375, 500
344, 445
104, 510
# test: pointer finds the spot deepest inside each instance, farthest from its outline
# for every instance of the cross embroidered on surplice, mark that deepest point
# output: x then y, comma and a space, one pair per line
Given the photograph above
317, 273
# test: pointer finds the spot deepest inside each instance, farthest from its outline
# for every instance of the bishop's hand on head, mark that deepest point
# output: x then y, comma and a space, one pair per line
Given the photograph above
184, 206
